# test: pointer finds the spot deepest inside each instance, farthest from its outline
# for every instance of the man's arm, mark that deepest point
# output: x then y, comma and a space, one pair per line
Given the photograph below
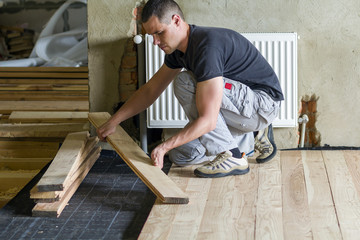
208, 100
140, 100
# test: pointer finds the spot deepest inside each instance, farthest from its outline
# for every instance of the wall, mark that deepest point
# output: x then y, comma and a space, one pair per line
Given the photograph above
328, 53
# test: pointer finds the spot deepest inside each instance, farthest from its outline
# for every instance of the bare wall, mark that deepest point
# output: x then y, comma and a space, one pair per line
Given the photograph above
328, 53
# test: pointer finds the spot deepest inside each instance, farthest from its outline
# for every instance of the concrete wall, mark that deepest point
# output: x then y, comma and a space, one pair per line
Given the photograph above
328, 53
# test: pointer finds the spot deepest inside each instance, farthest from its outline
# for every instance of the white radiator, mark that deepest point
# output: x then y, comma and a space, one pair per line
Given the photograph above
279, 49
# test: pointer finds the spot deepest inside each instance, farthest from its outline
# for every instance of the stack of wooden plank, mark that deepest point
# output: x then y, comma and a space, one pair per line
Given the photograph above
43, 101
71, 164
20, 162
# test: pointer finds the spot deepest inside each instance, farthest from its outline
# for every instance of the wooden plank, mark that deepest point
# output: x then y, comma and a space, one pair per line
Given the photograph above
322, 211
65, 162
230, 208
41, 130
162, 215
344, 193
43, 97
160, 184
28, 145
23, 163
48, 117
29, 153
44, 69
62, 81
296, 216
42, 87
55, 209
52, 196
7, 107
269, 223
44, 75
352, 159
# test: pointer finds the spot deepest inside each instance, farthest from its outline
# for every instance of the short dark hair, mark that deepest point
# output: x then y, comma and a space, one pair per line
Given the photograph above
162, 9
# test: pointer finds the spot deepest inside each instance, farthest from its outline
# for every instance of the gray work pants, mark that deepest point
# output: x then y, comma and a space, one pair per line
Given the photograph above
242, 112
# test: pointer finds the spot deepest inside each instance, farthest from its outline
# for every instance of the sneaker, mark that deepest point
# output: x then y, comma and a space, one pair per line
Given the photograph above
223, 165
265, 145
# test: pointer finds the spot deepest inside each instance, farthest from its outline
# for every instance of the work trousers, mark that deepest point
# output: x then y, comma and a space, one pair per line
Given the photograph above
242, 112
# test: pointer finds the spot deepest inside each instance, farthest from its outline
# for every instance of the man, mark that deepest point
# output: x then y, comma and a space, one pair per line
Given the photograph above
228, 92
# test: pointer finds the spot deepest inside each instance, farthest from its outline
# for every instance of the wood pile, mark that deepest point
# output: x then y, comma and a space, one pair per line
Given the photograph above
16, 42
70, 166
43, 101
39, 107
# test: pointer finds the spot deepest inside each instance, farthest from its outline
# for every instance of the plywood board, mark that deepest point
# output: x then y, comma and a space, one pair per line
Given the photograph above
161, 185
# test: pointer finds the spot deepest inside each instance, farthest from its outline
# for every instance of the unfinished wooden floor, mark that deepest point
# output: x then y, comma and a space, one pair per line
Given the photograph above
297, 195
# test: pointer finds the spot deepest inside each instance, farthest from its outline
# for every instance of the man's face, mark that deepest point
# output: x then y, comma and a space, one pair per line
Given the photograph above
164, 34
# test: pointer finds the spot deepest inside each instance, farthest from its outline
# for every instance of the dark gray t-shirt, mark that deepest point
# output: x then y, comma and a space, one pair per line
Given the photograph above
218, 52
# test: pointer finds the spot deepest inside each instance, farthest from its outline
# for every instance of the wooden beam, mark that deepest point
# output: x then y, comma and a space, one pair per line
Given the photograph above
159, 183
48, 117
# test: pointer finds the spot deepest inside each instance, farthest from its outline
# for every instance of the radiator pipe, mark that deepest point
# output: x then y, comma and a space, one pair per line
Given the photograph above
303, 120
138, 39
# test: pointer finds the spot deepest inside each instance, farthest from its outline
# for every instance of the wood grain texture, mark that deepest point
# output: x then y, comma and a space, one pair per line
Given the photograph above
297, 195
65, 163
7, 107
41, 130
48, 117
159, 183
54, 209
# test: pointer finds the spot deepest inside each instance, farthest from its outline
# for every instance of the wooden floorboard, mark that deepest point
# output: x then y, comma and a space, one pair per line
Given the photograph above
297, 195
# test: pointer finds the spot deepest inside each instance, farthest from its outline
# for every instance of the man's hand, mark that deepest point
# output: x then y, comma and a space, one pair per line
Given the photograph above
105, 130
157, 156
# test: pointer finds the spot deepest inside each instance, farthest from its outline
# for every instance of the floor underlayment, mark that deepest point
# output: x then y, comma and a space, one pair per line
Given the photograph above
111, 203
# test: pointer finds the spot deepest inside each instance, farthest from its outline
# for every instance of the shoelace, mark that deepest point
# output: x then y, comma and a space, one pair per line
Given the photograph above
219, 159
262, 147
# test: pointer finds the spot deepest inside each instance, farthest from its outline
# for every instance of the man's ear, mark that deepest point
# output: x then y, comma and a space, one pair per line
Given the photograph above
177, 19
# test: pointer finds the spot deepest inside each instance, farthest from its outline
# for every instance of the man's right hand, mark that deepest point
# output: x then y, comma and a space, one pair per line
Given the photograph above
105, 130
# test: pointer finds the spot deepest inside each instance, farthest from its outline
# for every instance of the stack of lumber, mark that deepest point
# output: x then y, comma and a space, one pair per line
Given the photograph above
70, 166
18, 41
20, 162
43, 101
44, 88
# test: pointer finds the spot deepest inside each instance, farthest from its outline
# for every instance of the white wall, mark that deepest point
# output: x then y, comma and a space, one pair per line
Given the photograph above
328, 54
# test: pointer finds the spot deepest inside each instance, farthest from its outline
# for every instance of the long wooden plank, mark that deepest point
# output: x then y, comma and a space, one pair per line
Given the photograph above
296, 216
159, 183
28, 145
345, 195
62, 81
44, 74
269, 223
47, 117
42, 87
59, 130
23, 163
29, 153
7, 107
44, 69
43, 97
55, 209
65, 162
322, 211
